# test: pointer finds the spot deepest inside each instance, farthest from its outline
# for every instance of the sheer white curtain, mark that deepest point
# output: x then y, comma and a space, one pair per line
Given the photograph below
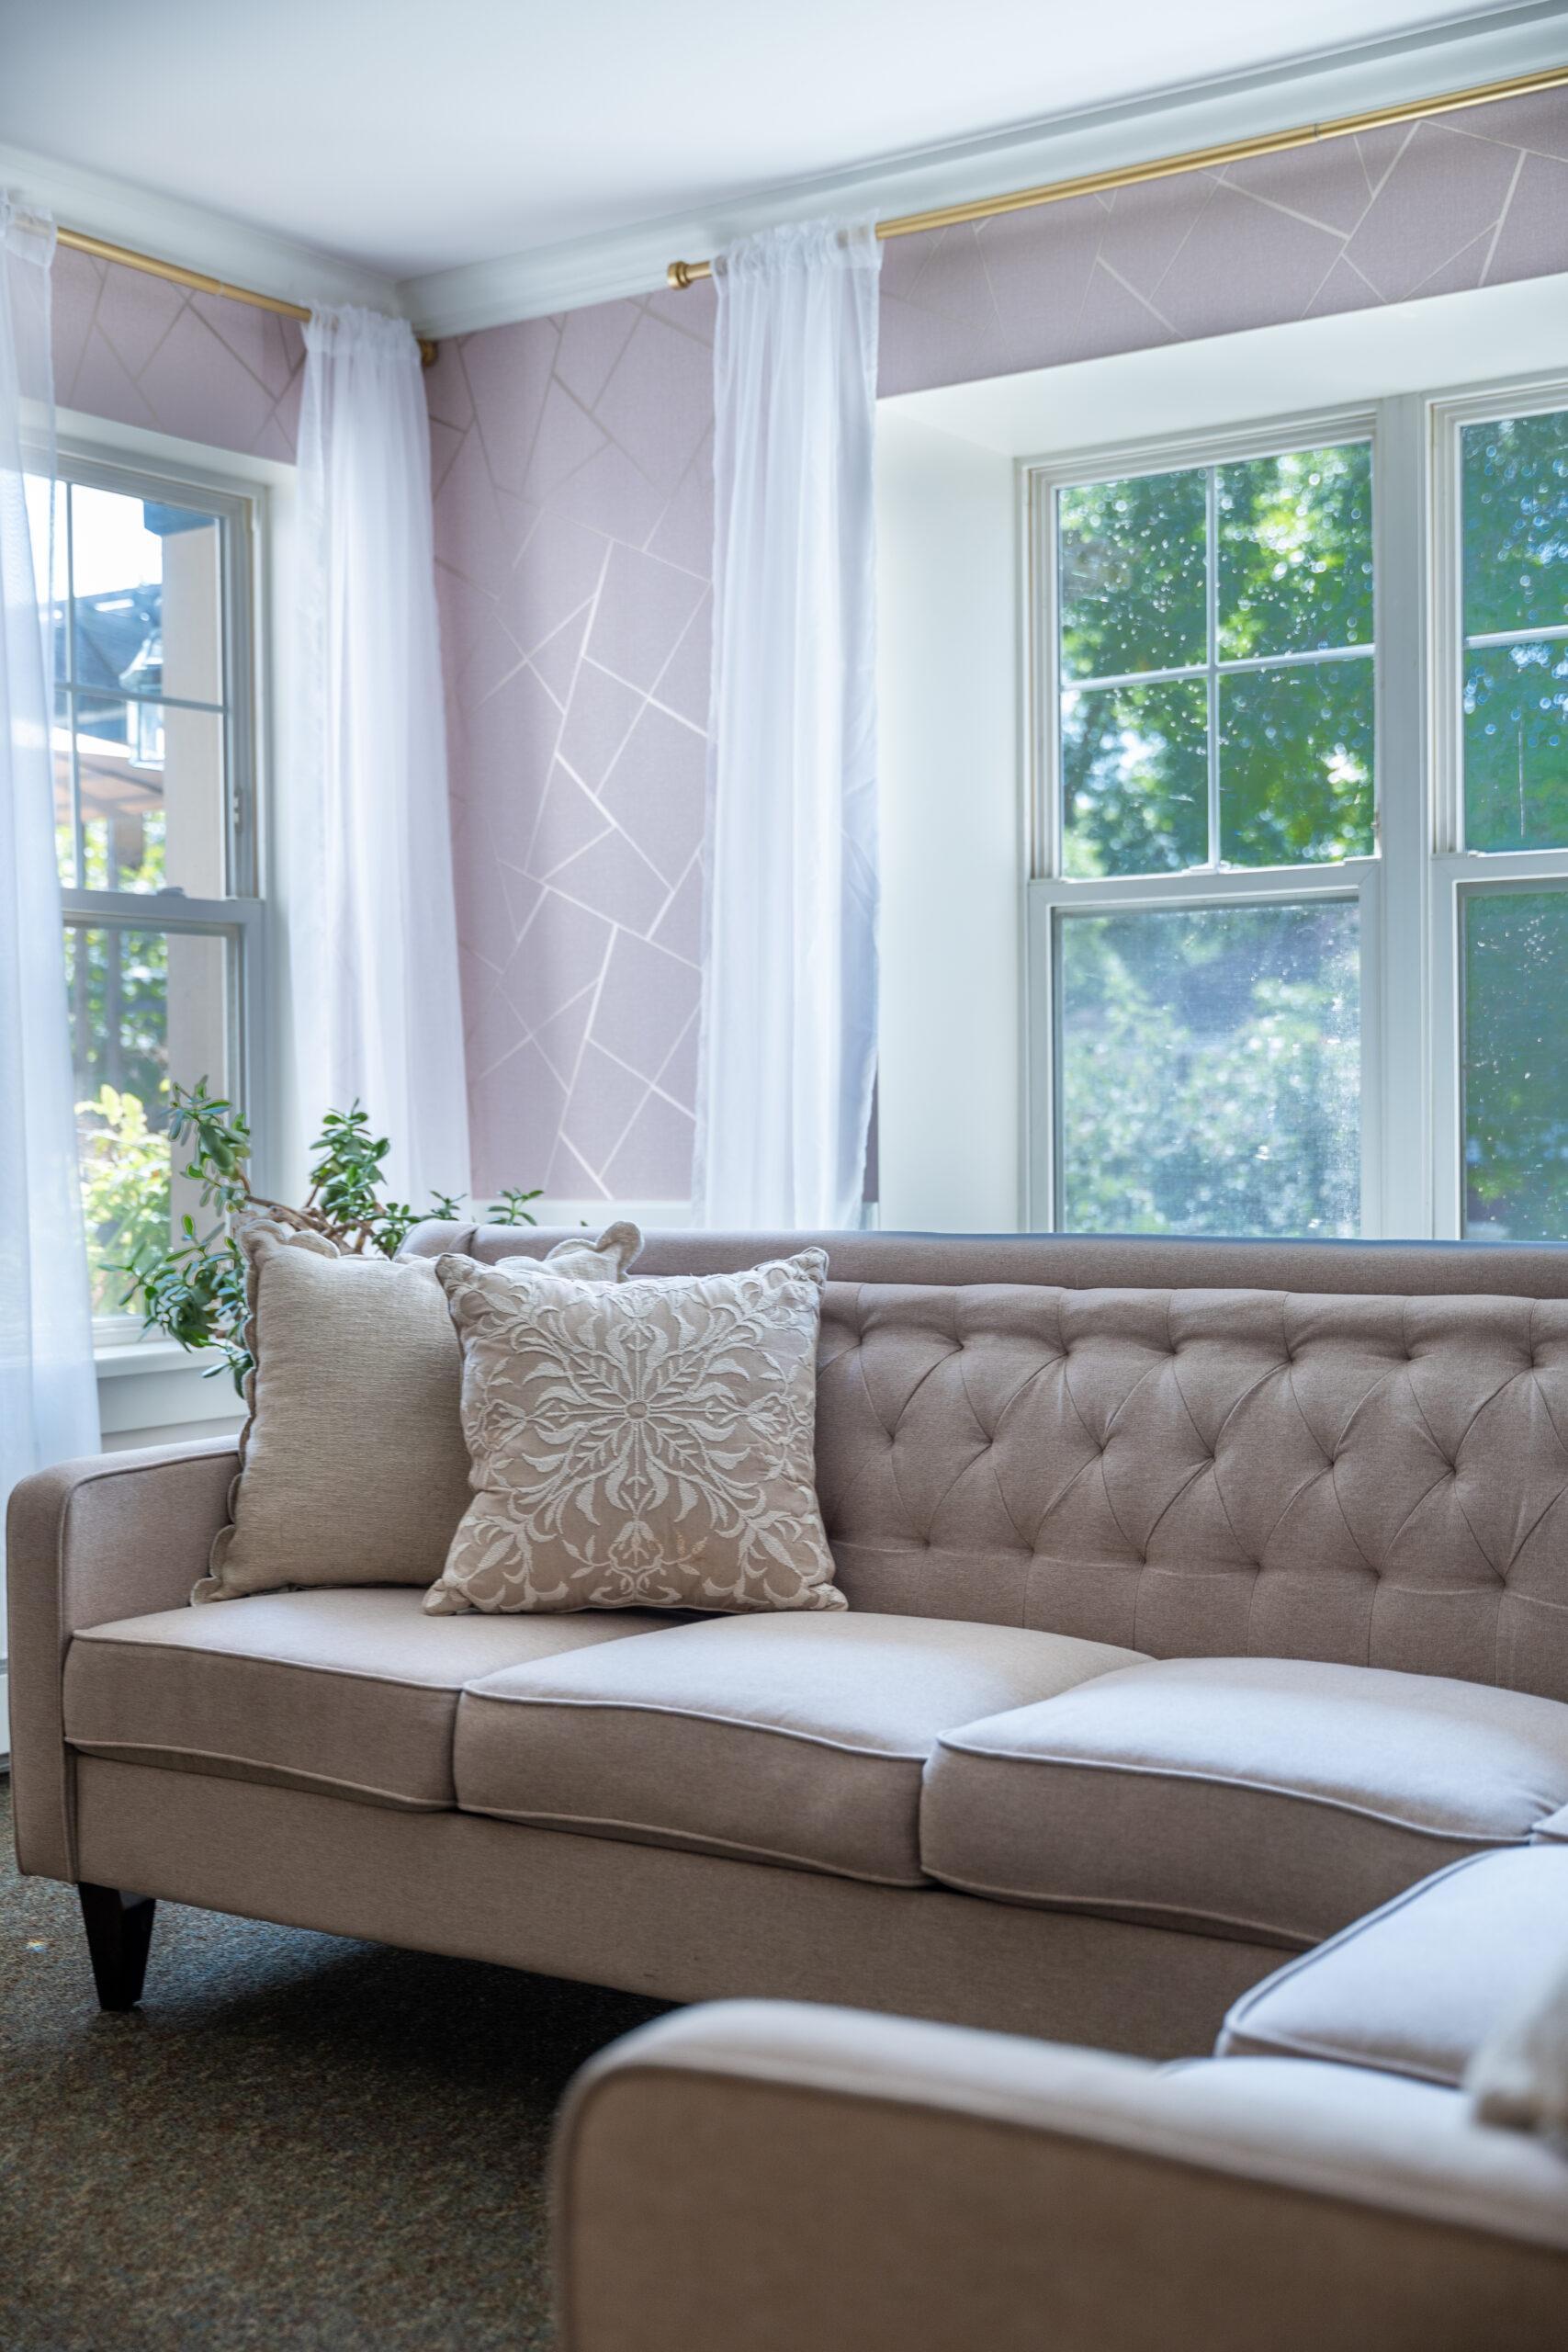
377, 1012
49, 1407
789, 978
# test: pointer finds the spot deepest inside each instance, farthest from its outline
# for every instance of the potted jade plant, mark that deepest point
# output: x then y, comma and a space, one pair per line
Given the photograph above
195, 1289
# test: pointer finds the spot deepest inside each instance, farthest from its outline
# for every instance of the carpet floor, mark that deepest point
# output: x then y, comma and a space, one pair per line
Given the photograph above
295, 2140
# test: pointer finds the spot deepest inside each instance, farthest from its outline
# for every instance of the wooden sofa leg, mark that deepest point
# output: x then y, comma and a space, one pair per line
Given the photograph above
119, 1928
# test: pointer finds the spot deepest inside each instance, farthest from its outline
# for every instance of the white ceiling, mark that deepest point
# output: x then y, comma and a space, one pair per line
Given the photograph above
413, 138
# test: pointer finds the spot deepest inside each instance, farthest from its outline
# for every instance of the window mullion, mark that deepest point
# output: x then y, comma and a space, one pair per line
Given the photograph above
1212, 600
1401, 1098
78, 835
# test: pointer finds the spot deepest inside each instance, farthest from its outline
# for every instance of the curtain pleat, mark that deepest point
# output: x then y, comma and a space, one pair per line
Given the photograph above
49, 1409
376, 1005
788, 1033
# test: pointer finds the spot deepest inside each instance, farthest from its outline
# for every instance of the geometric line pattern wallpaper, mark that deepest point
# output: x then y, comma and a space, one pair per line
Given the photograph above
138, 351
573, 470
1426, 207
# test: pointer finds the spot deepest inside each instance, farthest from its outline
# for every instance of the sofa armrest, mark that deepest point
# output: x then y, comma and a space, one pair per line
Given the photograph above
762, 2176
120, 1536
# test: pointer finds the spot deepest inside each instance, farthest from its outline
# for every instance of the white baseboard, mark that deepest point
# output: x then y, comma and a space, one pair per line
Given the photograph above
5, 1718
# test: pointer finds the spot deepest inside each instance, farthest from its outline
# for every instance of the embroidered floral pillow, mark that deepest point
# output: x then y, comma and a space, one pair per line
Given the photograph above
649, 1444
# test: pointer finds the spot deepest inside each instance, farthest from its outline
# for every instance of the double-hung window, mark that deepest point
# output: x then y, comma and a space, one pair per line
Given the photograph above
1299, 923
154, 657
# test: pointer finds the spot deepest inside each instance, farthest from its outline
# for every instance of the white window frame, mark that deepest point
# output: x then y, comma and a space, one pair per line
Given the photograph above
238, 918
1458, 873
1410, 894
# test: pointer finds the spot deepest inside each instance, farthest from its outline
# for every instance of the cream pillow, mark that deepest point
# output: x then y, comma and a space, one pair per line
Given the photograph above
649, 1445
353, 1466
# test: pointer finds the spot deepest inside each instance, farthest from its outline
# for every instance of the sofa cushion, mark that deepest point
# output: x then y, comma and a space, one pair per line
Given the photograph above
794, 1738
350, 1693
1272, 1798
1416, 1988
1553, 1830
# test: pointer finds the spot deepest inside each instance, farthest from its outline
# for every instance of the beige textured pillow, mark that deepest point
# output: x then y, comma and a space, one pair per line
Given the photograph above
650, 1446
353, 1465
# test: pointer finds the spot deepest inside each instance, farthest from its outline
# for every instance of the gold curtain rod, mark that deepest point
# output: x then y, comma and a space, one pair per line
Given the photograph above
78, 242
1197, 159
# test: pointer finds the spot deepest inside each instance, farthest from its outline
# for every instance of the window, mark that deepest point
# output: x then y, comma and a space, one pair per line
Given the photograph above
1512, 806
1210, 659
154, 817
1299, 928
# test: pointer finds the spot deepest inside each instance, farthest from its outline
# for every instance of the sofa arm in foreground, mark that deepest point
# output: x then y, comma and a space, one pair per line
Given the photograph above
86, 1542
763, 2176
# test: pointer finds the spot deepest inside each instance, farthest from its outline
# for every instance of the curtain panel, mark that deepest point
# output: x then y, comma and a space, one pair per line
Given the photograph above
49, 1407
376, 1009
788, 1032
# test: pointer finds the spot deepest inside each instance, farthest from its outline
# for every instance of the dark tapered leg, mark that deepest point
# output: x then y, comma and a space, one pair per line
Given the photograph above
119, 1928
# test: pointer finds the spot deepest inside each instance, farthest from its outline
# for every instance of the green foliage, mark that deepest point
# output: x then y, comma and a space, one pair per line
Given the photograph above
1293, 574
1211, 1071
512, 1207
1515, 1108
194, 1290
125, 1185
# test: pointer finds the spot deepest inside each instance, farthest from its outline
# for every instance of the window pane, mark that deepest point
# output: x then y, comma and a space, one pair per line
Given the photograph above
1515, 1065
1295, 552
147, 584
1516, 746
145, 1006
1296, 763
1133, 575
1209, 1071
150, 783
1514, 477
1136, 778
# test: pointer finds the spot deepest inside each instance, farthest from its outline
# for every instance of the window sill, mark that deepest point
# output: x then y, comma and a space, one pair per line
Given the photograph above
116, 1358
153, 1392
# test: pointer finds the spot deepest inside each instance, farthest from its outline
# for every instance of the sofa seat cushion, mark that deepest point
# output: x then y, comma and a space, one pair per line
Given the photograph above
1416, 1988
1276, 1799
797, 1738
351, 1693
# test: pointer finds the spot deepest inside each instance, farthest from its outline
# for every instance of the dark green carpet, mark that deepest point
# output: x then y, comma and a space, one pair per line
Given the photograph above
295, 2141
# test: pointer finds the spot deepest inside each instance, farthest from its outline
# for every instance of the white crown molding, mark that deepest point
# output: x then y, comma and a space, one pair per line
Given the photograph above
1466, 51
172, 230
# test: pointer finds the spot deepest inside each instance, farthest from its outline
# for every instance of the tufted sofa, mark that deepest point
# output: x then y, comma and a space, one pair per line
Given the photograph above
1202, 1596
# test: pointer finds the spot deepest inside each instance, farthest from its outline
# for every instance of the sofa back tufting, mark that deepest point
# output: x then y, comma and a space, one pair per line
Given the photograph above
1375, 1477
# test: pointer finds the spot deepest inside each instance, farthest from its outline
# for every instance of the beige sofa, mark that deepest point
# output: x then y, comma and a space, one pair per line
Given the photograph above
1203, 1597
870, 2184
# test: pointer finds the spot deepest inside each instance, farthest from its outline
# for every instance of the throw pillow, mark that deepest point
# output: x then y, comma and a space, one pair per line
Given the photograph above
353, 1467
647, 1446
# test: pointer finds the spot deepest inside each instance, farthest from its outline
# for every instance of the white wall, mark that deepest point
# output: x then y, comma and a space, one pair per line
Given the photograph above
949, 1087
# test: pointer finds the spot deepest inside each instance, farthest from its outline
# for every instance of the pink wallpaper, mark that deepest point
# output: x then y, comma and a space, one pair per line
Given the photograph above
136, 351
572, 536
572, 466
1467, 199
